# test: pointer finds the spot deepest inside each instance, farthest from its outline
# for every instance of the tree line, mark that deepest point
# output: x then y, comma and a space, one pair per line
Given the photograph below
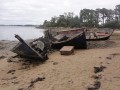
109, 18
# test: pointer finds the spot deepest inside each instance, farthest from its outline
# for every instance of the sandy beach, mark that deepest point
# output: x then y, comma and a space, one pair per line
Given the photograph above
95, 68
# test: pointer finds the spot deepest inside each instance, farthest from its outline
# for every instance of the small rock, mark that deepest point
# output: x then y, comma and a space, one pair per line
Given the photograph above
15, 82
55, 63
13, 77
100, 57
108, 63
11, 71
97, 84
9, 60
24, 67
9, 78
21, 89
115, 54
99, 69
2, 57
41, 78
38, 79
97, 77
108, 58
25, 64
91, 88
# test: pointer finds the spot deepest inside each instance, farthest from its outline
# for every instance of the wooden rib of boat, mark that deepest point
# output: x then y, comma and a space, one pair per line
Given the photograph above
69, 38
33, 49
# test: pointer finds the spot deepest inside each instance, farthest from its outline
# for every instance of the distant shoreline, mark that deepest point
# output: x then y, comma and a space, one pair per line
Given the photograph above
22, 25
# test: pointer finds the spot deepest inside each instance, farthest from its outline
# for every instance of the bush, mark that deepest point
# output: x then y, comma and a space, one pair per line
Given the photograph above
112, 24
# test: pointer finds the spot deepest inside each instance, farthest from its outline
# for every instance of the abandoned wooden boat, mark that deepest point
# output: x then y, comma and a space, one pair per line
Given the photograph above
78, 40
100, 35
35, 49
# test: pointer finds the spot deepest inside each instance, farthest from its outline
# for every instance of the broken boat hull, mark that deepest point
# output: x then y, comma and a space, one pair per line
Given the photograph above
78, 42
25, 50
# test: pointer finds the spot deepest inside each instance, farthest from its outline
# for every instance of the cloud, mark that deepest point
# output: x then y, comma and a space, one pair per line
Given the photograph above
36, 11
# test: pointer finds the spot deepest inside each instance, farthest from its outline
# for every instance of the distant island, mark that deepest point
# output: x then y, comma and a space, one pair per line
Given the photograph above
27, 25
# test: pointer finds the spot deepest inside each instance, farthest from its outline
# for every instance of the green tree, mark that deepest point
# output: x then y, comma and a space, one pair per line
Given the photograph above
88, 18
46, 23
61, 22
110, 15
53, 21
117, 10
103, 13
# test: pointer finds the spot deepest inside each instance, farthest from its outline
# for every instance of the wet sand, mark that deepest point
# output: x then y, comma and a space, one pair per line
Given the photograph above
97, 67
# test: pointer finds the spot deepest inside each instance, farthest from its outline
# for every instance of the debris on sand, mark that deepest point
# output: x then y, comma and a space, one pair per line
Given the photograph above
115, 54
21, 89
99, 69
91, 88
24, 66
109, 58
100, 57
41, 78
97, 77
13, 77
15, 82
116, 77
9, 78
95, 86
11, 71
2, 57
12, 59
55, 63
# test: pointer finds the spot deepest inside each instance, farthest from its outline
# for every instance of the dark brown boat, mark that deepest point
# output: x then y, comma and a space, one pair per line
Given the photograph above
70, 38
35, 49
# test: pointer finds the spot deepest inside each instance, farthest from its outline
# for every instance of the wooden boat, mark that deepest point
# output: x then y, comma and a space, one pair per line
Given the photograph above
100, 35
34, 49
70, 38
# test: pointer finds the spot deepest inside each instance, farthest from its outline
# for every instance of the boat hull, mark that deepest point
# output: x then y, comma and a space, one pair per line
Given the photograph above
78, 42
24, 49
99, 39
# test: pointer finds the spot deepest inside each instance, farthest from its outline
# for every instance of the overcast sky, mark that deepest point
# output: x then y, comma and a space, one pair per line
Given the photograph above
36, 11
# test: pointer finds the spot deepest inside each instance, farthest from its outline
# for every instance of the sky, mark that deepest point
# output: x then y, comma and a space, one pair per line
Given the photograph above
36, 11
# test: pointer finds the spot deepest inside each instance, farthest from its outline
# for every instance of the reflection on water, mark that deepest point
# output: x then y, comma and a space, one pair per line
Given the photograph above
7, 32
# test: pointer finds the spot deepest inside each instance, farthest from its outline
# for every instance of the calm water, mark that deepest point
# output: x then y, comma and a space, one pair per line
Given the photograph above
7, 32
